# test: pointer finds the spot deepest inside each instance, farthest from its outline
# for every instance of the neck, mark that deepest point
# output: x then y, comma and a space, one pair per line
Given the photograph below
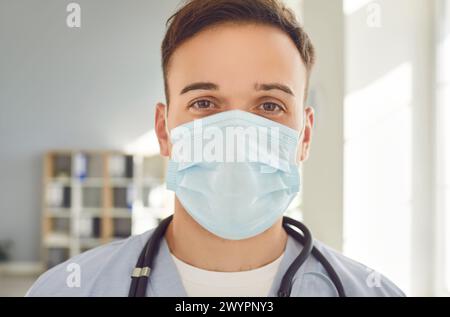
193, 244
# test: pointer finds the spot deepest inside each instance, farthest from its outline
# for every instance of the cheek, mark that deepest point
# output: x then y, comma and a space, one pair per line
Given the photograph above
293, 121
178, 115
293, 118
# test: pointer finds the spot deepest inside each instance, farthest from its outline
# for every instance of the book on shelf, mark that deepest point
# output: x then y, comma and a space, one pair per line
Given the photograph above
62, 166
121, 166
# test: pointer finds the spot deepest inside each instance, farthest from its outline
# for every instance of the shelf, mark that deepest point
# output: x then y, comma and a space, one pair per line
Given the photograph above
58, 212
89, 243
91, 212
120, 181
21, 269
120, 213
115, 239
60, 180
87, 198
92, 182
152, 181
57, 240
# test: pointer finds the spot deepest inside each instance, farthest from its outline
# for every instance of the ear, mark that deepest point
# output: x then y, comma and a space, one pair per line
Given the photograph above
161, 129
306, 137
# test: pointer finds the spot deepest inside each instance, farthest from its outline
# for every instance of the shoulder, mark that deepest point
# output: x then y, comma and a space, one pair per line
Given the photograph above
102, 271
358, 279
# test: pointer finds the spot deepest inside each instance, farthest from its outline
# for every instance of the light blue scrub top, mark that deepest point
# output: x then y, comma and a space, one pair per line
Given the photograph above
106, 271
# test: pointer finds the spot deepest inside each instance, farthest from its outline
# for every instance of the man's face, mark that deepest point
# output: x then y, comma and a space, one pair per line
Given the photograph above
250, 67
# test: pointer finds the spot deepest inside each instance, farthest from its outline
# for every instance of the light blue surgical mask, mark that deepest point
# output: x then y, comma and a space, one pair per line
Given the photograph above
234, 196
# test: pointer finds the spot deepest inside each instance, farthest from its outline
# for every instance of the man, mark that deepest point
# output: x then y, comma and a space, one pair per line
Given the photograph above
230, 63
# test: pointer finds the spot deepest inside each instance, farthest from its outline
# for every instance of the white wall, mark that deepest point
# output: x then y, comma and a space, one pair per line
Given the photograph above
92, 87
323, 172
388, 139
442, 150
368, 186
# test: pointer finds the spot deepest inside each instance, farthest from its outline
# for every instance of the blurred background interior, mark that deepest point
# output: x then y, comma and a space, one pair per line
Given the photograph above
79, 162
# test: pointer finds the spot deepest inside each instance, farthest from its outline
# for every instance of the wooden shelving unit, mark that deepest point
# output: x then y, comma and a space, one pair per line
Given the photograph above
94, 197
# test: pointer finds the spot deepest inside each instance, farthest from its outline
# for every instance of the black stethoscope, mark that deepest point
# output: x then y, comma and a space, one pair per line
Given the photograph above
144, 265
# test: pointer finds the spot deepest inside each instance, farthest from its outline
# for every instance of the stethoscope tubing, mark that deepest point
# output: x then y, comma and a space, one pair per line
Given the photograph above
144, 265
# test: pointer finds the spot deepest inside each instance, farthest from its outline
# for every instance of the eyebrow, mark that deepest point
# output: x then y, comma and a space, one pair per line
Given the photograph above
199, 86
258, 87
272, 86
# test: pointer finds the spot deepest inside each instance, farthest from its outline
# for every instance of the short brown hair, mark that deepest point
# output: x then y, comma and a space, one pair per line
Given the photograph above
197, 15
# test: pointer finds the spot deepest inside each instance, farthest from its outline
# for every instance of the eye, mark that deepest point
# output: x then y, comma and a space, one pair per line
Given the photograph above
202, 104
271, 108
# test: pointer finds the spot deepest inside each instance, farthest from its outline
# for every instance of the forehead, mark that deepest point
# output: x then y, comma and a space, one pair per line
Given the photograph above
236, 56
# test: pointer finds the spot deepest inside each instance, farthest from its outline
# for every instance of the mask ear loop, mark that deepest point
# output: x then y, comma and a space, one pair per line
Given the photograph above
166, 124
166, 119
300, 140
